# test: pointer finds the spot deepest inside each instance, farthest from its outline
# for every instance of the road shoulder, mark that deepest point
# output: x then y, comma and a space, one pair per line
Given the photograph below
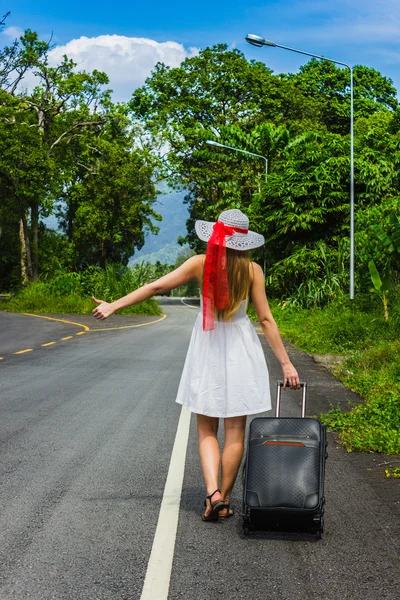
325, 391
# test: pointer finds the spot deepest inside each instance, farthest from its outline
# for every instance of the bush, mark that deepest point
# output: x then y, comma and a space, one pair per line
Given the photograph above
40, 298
312, 275
71, 292
339, 328
371, 426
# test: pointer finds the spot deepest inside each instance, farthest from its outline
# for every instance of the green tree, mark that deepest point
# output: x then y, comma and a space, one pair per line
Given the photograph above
300, 122
307, 201
23, 168
329, 88
63, 104
218, 87
112, 207
185, 106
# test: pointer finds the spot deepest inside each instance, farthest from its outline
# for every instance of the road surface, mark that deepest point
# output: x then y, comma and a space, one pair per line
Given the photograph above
88, 424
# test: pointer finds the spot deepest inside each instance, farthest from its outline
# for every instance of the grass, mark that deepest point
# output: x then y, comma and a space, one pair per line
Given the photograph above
36, 300
393, 473
336, 329
71, 292
371, 367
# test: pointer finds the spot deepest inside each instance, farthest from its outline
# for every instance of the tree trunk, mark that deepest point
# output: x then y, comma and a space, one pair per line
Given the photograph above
24, 275
35, 245
385, 307
29, 268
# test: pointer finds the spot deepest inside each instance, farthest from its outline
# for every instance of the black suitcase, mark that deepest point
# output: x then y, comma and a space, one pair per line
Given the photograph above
284, 472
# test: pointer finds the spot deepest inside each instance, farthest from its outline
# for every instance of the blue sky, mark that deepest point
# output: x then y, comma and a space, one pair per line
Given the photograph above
126, 38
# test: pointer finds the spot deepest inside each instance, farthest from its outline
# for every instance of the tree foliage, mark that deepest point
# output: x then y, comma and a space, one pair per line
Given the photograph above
65, 140
66, 149
328, 86
112, 209
300, 123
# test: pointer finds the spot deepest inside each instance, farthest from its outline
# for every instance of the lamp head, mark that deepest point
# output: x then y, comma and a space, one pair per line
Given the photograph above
256, 40
212, 143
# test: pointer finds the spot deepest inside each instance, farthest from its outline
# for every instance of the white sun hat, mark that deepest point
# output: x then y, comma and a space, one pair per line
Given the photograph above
237, 241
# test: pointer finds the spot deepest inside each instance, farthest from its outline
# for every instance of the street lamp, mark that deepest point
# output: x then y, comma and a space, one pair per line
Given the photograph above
258, 41
212, 143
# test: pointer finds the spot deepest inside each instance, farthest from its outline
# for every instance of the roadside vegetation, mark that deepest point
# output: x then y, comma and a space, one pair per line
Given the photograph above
72, 292
68, 151
368, 349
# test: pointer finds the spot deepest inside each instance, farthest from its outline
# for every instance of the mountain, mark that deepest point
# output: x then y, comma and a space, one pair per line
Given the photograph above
164, 246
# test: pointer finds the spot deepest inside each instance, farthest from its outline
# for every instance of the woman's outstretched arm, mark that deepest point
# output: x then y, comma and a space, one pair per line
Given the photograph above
191, 269
270, 328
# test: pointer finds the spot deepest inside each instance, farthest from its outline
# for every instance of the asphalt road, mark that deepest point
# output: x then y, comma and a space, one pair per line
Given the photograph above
87, 427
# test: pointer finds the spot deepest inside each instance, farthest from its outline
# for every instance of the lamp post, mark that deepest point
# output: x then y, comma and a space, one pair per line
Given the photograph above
212, 143
256, 40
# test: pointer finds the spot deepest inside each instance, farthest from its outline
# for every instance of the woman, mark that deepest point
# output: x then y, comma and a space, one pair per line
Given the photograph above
225, 373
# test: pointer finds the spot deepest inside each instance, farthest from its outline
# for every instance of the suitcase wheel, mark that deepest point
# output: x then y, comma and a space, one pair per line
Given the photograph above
246, 530
319, 523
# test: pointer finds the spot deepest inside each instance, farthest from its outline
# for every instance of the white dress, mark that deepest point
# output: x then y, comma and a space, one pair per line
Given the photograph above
225, 372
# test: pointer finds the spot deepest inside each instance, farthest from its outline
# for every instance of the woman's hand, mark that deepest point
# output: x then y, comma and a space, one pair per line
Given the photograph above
103, 310
290, 376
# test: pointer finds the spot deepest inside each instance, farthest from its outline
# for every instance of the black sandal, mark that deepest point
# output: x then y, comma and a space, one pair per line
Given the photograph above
229, 512
215, 508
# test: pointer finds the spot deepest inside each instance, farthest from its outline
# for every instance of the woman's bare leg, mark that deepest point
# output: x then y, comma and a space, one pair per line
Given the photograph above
210, 456
232, 455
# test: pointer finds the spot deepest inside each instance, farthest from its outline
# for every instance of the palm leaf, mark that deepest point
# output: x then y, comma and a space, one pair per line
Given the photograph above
383, 237
376, 280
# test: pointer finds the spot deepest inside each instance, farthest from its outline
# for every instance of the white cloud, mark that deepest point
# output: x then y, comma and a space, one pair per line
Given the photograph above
126, 60
12, 32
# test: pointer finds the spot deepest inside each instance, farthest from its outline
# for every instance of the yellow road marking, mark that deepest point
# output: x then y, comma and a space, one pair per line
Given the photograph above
86, 328
129, 326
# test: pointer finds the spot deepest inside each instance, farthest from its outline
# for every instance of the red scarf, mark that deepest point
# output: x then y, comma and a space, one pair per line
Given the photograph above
215, 287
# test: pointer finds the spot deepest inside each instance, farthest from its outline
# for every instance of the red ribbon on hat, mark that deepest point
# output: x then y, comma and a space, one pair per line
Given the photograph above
215, 286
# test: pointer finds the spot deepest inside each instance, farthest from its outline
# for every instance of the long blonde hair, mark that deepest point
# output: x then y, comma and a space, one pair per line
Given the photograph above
239, 281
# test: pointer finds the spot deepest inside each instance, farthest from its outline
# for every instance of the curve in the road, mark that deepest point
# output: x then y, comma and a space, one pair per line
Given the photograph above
86, 328
129, 326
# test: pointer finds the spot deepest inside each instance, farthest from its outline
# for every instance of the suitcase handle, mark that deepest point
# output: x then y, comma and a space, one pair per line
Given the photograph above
303, 387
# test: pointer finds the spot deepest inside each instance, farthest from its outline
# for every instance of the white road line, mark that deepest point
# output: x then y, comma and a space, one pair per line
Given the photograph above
189, 305
156, 583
